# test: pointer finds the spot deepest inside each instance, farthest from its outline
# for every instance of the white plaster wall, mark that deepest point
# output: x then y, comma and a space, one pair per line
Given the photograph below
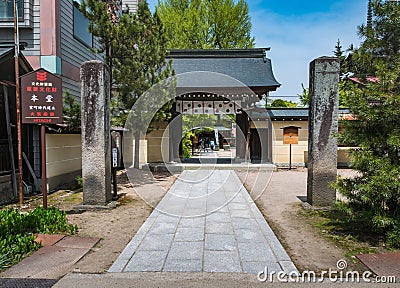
63, 154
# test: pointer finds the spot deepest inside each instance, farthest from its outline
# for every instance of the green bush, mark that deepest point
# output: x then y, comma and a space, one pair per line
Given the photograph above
187, 145
393, 236
17, 231
79, 181
5, 261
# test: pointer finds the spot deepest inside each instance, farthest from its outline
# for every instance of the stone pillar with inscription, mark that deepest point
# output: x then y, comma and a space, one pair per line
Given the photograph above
322, 127
96, 142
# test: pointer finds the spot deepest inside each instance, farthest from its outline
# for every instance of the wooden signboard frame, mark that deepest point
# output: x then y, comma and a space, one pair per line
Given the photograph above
41, 103
41, 98
290, 136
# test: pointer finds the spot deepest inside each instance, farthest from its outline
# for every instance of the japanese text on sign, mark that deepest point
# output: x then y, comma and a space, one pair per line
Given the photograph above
41, 97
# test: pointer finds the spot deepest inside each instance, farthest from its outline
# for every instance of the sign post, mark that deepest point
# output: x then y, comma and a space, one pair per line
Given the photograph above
116, 161
290, 136
41, 103
44, 174
18, 102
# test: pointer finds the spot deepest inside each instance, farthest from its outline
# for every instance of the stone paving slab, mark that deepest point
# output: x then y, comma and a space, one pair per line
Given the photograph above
48, 239
385, 264
147, 261
207, 222
77, 242
189, 265
222, 261
220, 242
189, 250
53, 261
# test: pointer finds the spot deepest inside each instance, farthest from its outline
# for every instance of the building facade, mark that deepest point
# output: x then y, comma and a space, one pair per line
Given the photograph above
56, 37
56, 34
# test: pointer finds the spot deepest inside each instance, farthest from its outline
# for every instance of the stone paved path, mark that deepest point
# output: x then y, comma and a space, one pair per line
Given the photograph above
207, 222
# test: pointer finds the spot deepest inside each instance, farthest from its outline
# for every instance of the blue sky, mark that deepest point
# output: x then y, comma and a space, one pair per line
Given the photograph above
300, 31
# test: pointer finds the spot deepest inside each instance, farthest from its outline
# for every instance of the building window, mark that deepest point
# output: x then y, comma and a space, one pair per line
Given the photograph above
7, 10
81, 27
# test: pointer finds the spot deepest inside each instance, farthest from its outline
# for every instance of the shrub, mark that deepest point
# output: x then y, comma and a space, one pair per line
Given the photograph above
17, 231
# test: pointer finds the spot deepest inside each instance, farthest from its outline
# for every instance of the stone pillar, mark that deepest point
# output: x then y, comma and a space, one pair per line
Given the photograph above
96, 143
322, 127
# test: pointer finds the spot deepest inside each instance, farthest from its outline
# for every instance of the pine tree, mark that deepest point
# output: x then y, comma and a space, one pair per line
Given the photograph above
103, 24
72, 113
381, 38
369, 15
340, 54
304, 96
133, 46
140, 61
338, 49
374, 194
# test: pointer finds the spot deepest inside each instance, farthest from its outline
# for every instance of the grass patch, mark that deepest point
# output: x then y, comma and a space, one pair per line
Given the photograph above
126, 200
350, 236
65, 199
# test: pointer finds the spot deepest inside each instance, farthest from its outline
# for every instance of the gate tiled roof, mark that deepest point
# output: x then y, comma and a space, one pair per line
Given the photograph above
247, 67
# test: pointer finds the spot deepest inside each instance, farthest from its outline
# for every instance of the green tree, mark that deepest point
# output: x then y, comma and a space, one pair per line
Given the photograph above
369, 15
374, 194
140, 58
304, 96
345, 85
72, 113
338, 52
191, 121
140, 65
342, 56
134, 47
198, 24
283, 103
381, 38
103, 19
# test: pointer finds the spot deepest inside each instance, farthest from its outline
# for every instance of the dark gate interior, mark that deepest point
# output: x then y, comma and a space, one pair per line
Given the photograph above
259, 148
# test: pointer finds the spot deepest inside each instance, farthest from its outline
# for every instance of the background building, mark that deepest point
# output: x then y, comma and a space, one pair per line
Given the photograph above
56, 33
57, 39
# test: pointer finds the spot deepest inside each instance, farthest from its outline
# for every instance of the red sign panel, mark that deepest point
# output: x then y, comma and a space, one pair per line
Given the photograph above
41, 98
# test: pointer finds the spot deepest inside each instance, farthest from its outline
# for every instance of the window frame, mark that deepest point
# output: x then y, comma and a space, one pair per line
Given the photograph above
21, 11
80, 38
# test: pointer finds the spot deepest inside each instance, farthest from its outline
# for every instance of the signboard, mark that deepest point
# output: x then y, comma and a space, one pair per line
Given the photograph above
114, 157
41, 98
116, 152
291, 135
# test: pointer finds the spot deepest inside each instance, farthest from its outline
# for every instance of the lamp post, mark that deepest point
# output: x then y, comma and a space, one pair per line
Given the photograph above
18, 102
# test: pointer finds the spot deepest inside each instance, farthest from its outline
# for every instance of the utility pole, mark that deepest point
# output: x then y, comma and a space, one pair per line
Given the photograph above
18, 102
